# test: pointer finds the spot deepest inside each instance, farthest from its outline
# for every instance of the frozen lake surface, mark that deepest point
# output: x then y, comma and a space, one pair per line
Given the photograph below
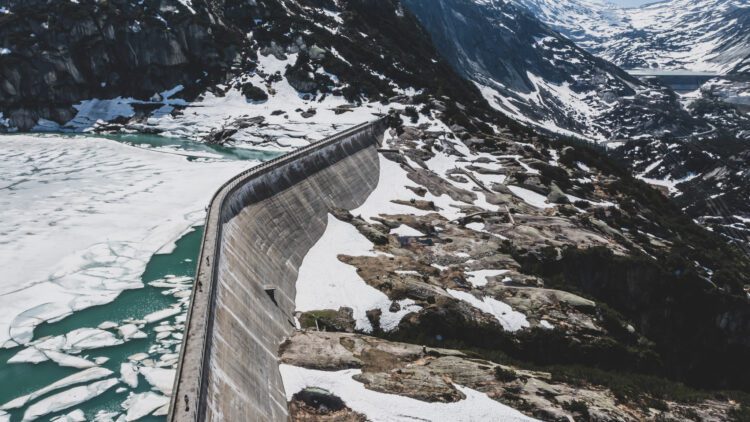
82, 220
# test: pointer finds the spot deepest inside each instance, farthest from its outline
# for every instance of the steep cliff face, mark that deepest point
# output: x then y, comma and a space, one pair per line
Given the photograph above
60, 53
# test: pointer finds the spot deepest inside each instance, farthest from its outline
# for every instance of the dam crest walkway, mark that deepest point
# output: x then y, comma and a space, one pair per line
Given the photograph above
259, 226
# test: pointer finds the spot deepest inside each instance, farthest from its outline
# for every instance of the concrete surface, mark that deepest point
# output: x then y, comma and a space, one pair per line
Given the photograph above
258, 229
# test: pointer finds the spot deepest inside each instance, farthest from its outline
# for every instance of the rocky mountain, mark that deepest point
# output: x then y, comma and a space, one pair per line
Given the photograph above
530, 72
92, 50
531, 273
528, 270
189, 68
667, 35
706, 36
695, 35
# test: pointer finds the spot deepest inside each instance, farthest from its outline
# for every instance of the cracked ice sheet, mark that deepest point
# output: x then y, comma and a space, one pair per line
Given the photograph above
90, 374
324, 282
378, 406
81, 217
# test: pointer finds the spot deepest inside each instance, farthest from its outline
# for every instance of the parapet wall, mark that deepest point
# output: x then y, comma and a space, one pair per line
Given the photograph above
259, 228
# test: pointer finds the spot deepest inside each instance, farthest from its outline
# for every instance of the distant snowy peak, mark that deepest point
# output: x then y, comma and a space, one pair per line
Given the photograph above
696, 35
587, 22
533, 74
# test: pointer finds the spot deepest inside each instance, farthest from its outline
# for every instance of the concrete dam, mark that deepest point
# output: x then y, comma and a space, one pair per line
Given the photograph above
259, 227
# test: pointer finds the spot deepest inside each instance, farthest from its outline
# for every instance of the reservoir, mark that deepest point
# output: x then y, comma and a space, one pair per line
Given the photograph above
99, 237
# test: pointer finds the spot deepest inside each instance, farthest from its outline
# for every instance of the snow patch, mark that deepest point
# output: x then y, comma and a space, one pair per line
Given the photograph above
510, 320
479, 278
530, 197
390, 407
324, 282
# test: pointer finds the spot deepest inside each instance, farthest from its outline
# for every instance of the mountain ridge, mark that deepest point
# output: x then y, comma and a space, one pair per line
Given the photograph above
672, 34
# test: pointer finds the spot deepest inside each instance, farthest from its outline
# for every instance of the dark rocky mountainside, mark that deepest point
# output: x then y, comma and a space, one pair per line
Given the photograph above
527, 70
62, 52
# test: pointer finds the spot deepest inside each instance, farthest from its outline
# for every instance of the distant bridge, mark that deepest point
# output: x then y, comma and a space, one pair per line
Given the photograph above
259, 227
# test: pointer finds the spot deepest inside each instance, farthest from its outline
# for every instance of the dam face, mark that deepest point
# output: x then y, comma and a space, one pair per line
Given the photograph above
259, 228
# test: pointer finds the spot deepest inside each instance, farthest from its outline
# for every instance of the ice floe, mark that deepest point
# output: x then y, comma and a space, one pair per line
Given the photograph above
143, 404
129, 331
129, 374
159, 378
59, 348
87, 375
67, 399
74, 416
163, 314
64, 359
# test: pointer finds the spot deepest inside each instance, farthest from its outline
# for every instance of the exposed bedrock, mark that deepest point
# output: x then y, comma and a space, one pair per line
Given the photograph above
61, 53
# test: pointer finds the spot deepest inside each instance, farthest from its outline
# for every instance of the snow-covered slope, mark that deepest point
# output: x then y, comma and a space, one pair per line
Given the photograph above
276, 74
537, 76
742, 67
696, 35
586, 22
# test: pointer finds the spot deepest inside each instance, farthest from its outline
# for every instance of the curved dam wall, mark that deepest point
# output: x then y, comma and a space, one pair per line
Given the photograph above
259, 227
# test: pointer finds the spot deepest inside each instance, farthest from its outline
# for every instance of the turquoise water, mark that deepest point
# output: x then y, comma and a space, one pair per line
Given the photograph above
19, 379
130, 304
